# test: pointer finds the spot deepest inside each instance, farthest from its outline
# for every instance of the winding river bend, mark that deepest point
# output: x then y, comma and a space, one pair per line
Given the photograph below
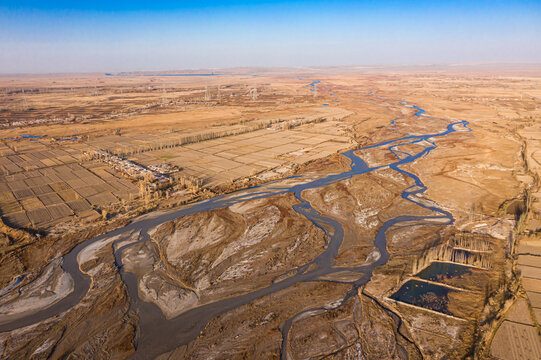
156, 334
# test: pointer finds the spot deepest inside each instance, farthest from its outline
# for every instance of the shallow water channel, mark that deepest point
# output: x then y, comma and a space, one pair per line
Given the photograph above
156, 334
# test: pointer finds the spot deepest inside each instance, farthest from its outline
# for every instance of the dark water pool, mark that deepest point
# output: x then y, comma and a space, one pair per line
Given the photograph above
426, 295
438, 271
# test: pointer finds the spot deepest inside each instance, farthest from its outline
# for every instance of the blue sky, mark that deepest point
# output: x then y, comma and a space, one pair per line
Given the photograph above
64, 36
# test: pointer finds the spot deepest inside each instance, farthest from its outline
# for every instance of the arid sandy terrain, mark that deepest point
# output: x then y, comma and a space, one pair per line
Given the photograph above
356, 212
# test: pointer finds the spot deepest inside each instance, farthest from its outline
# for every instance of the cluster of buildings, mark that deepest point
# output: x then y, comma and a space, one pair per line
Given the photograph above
163, 169
132, 169
32, 122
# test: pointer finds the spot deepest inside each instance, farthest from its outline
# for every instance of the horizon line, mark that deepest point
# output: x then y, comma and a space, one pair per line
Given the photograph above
205, 70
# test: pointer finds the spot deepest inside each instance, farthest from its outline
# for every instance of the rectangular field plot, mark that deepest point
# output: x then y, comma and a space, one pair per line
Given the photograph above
59, 211
40, 190
16, 219
59, 186
23, 193
6, 196
50, 199
43, 188
39, 217
16, 184
69, 195
31, 203
79, 206
102, 199
516, 341
10, 207
228, 158
4, 187
86, 191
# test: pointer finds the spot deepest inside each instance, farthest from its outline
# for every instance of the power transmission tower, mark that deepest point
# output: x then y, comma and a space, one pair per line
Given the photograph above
207, 93
164, 92
25, 104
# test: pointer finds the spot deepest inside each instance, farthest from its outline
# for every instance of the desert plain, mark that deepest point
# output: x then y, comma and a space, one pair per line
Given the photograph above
347, 213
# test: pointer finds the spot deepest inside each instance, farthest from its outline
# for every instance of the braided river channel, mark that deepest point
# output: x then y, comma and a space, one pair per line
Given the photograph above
156, 334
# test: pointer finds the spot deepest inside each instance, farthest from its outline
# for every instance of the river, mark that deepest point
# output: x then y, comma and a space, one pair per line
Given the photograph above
156, 334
